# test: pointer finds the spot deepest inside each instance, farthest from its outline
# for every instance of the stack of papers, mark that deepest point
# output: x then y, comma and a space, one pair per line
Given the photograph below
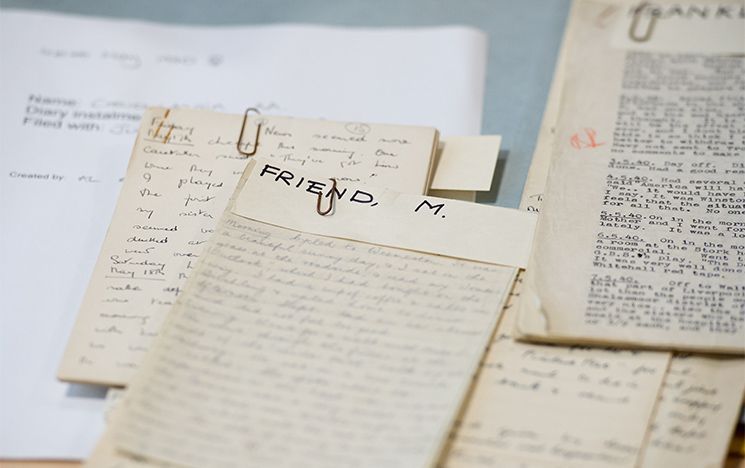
73, 93
320, 290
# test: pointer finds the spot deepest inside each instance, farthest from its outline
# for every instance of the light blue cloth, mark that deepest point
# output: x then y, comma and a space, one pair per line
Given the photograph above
524, 38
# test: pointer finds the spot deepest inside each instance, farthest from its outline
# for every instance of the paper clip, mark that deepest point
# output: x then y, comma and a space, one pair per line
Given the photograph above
160, 125
168, 133
331, 200
243, 129
635, 23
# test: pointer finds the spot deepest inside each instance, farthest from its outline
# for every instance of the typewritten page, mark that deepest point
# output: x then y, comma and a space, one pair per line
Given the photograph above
182, 172
292, 349
640, 242
700, 395
537, 405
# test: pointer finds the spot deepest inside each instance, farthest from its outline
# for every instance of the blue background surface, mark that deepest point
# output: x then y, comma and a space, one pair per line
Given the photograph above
524, 38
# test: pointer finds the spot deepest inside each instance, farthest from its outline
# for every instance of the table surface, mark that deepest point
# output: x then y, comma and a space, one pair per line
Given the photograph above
524, 37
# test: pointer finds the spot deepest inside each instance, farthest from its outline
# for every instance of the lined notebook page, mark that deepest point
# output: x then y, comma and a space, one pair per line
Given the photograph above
291, 349
182, 171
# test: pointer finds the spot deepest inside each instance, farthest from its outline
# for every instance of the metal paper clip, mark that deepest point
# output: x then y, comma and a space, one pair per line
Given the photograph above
168, 133
160, 125
635, 23
243, 129
331, 200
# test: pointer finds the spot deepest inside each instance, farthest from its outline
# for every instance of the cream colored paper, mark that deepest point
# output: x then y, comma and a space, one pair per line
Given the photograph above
289, 349
105, 455
381, 216
626, 252
398, 156
481, 437
557, 406
513, 417
183, 169
682, 27
466, 163
453, 195
697, 413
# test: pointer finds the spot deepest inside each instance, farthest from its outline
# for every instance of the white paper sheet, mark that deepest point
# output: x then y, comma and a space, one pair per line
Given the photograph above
92, 78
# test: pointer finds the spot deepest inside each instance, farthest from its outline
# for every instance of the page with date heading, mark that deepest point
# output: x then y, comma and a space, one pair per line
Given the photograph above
640, 239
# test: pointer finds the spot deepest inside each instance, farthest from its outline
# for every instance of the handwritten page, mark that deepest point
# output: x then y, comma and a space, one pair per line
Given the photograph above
497, 235
183, 170
105, 455
398, 156
73, 92
562, 406
698, 411
288, 349
639, 242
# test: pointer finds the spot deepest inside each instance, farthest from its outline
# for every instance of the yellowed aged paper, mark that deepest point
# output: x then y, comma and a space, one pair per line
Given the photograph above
557, 406
466, 163
289, 349
482, 438
105, 455
462, 195
698, 411
370, 214
640, 240
181, 174
535, 181
547, 406
464, 166
713, 27
485, 456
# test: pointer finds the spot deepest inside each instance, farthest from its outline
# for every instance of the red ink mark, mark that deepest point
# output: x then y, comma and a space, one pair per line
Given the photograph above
578, 141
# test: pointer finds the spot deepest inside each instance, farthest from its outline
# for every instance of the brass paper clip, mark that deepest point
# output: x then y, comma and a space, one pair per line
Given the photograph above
160, 125
243, 129
635, 23
331, 200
